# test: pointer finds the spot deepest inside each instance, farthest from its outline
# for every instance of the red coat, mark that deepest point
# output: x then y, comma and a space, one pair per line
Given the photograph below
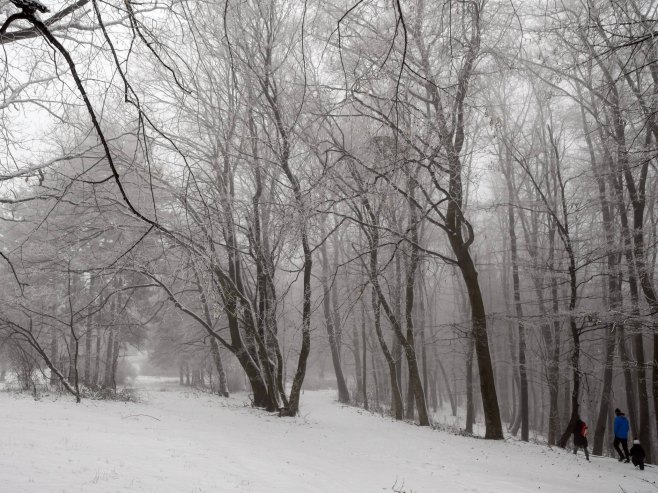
580, 434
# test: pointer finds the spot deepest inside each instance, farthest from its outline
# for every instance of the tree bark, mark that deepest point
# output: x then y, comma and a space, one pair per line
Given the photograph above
516, 284
364, 372
356, 352
107, 382
398, 410
222, 388
470, 406
89, 335
330, 324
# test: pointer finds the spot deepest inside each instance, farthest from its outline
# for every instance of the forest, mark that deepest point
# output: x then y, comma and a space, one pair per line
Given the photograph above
425, 205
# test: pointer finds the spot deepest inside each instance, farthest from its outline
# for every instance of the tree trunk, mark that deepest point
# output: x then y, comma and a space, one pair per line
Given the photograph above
97, 362
493, 425
72, 348
107, 382
330, 324
53, 356
435, 395
356, 352
523, 377
575, 381
375, 372
655, 374
410, 412
415, 385
364, 372
397, 307
222, 388
614, 295
470, 407
602, 420
396, 396
629, 386
423, 344
115, 358
554, 362
446, 381
89, 335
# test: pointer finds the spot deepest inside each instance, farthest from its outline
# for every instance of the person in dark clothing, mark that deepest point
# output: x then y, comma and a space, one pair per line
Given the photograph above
637, 454
621, 427
580, 437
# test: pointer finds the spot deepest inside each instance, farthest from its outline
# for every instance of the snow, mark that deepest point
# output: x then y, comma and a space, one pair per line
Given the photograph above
185, 441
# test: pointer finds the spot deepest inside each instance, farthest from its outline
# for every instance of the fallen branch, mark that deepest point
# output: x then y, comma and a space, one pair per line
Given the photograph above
137, 415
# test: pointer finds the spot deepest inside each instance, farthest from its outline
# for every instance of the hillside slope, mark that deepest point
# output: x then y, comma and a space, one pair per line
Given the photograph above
184, 441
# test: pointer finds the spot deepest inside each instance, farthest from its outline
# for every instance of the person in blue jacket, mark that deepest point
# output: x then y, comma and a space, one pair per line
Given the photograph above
621, 427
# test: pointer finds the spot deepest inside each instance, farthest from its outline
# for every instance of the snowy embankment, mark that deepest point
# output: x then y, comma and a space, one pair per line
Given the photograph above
185, 441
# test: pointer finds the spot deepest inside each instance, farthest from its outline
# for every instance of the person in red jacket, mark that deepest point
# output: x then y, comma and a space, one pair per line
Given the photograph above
637, 454
580, 437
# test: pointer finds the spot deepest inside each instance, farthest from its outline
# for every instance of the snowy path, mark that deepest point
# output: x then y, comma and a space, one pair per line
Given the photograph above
187, 442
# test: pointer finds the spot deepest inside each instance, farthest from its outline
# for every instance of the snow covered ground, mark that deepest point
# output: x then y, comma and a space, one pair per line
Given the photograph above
190, 442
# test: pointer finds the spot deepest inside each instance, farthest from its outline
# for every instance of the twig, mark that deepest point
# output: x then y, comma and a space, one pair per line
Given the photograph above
137, 415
